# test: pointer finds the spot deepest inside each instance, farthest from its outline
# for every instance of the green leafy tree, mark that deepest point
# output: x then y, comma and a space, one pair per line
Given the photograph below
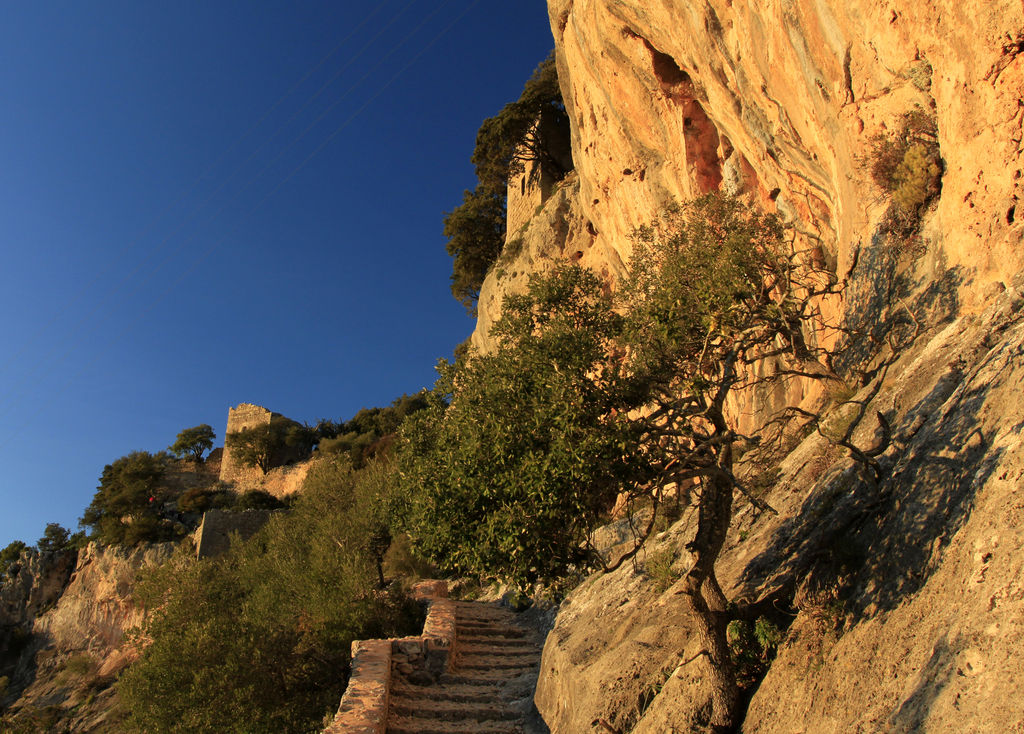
257, 641
194, 442
11, 554
266, 446
534, 128
522, 451
55, 539
125, 509
476, 235
522, 132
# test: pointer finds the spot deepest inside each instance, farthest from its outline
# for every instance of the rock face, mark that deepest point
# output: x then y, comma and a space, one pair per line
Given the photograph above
903, 597
669, 99
36, 586
96, 609
71, 647
899, 597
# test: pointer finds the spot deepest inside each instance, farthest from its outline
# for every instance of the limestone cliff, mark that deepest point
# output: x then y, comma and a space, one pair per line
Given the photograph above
71, 647
903, 593
900, 600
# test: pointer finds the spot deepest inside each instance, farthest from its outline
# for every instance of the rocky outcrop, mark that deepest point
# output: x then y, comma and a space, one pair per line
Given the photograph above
33, 585
670, 99
898, 595
903, 595
73, 645
96, 609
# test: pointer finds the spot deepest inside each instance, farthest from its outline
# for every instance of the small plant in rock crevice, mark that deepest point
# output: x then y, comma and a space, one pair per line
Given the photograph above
907, 167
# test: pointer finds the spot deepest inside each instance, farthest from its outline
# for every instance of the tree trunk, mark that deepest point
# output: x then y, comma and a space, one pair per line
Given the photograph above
705, 597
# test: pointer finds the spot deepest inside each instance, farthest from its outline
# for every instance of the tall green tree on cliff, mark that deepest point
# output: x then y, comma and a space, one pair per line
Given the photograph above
504, 144
124, 509
527, 447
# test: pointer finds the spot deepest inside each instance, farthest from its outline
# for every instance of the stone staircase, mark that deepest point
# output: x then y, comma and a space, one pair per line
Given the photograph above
488, 688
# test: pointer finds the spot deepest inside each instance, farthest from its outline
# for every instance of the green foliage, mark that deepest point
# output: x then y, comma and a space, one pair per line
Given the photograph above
11, 554
504, 144
512, 138
753, 648
369, 433
266, 446
258, 640
257, 499
476, 233
201, 499
907, 166
698, 279
520, 452
125, 509
523, 450
193, 442
55, 539
79, 666
658, 567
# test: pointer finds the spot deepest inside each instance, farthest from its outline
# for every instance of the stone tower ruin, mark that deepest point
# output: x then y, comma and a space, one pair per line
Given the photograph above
247, 415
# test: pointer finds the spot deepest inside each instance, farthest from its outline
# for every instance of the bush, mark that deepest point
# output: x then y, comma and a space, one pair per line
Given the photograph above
128, 504
659, 568
521, 452
200, 499
10, 555
79, 666
257, 499
907, 167
258, 639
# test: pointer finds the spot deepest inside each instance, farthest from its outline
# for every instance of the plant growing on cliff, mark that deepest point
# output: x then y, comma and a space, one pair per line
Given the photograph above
11, 554
522, 450
193, 442
126, 509
504, 144
527, 447
907, 166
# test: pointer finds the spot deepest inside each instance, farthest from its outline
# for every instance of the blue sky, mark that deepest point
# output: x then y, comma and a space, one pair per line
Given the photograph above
208, 203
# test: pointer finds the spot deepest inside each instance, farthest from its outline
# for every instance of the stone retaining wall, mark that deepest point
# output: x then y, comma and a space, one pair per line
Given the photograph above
364, 707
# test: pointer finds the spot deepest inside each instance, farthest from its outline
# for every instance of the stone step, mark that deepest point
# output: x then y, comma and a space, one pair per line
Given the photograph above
488, 631
494, 641
489, 710
406, 725
460, 693
482, 677
496, 663
526, 649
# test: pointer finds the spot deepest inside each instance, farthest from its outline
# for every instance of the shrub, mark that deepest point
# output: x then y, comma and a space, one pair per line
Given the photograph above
201, 499
78, 666
126, 509
258, 640
257, 499
907, 167
10, 555
658, 568
753, 647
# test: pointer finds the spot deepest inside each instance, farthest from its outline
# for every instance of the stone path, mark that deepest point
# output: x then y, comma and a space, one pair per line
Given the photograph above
489, 689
